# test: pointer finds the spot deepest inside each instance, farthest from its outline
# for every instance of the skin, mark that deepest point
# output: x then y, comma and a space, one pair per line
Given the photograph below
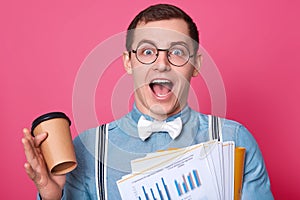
159, 107
49, 186
176, 30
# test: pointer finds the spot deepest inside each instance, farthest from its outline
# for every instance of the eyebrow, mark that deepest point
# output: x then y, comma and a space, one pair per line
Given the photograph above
171, 44
146, 41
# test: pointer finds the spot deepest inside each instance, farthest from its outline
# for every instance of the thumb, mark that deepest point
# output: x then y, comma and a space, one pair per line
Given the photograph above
38, 139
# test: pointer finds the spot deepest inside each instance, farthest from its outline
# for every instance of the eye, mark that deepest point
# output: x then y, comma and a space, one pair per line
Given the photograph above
148, 52
177, 52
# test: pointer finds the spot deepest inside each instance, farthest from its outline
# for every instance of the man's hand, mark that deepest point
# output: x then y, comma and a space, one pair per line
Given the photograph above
49, 186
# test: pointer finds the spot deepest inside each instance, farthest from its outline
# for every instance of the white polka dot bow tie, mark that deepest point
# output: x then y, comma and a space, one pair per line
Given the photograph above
146, 127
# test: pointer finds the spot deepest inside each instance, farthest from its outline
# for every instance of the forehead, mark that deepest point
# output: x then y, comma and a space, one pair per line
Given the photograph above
162, 33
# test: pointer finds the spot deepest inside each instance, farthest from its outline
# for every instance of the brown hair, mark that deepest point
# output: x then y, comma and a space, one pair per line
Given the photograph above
162, 12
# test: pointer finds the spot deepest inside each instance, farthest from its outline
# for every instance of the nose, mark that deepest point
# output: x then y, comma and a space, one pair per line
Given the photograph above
162, 62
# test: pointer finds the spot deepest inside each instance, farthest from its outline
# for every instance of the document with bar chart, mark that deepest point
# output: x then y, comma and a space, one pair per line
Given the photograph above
192, 173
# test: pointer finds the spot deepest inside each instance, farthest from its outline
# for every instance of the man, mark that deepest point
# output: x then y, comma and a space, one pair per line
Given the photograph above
162, 43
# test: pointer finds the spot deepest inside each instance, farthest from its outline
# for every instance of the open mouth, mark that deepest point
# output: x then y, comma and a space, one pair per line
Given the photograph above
161, 87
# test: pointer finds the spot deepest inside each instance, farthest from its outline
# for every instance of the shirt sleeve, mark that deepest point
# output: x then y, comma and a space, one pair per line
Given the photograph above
80, 183
256, 182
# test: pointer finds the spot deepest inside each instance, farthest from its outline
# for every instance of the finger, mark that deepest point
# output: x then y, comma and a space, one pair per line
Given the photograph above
30, 153
30, 172
27, 133
28, 136
28, 144
38, 139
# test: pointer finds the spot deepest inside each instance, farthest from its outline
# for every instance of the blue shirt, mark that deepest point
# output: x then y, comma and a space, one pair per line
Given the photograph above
124, 145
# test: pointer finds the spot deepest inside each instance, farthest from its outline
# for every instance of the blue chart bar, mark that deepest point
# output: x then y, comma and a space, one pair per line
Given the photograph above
152, 194
145, 193
189, 182
178, 188
196, 177
185, 187
159, 192
166, 189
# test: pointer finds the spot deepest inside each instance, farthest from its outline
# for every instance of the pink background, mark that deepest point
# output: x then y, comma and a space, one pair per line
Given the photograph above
255, 45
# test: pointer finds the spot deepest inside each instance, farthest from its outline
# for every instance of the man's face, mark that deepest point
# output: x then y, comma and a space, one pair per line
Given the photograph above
161, 89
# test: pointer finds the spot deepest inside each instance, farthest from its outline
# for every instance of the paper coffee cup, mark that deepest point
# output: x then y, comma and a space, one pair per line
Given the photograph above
57, 149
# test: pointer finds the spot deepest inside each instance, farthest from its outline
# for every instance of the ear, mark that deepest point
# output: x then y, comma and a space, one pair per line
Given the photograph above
197, 65
127, 62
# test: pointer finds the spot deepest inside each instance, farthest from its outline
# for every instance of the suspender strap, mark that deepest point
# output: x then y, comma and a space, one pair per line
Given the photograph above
214, 128
100, 158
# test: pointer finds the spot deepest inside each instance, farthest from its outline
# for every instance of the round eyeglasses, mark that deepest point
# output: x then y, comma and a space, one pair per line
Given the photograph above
178, 54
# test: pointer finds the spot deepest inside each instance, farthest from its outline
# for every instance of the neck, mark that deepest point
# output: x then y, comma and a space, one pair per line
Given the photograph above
157, 113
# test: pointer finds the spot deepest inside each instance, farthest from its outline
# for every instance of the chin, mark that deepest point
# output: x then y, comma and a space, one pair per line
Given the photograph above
163, 110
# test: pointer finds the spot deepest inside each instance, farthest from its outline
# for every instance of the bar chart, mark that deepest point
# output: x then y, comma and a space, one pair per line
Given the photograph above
160, 191
188, 183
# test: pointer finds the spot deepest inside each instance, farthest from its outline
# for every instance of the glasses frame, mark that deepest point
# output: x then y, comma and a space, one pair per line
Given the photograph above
157, 54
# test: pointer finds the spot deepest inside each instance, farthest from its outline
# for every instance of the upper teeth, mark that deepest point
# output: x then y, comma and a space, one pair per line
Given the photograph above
160, 81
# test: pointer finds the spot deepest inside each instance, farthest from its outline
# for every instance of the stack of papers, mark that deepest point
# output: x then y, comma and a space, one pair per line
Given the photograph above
202, 171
